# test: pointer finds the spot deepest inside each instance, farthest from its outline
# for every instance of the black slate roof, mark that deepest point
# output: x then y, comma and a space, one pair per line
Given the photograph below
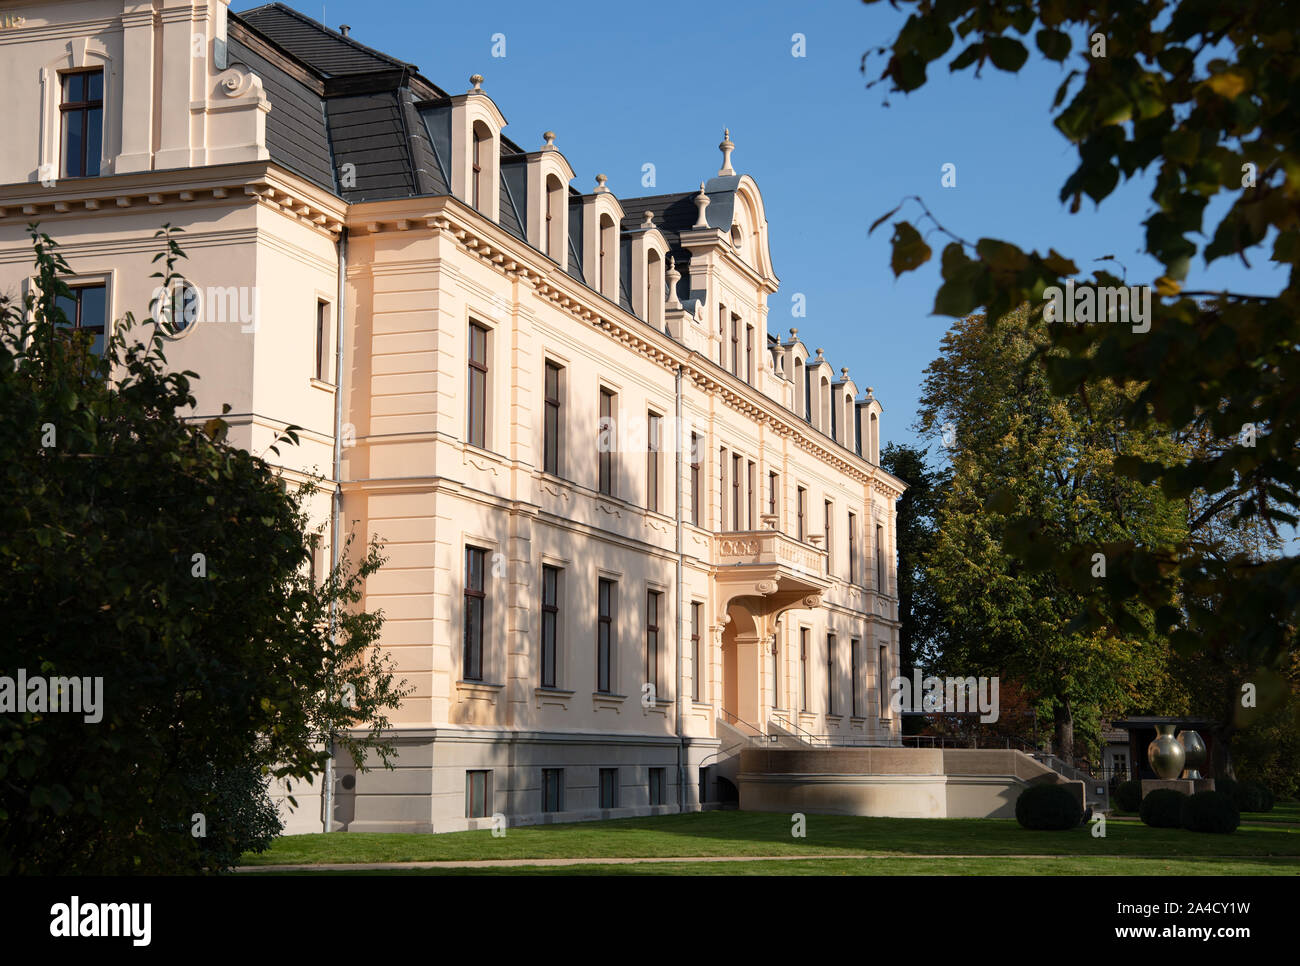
296, 134
368, 127
328, 52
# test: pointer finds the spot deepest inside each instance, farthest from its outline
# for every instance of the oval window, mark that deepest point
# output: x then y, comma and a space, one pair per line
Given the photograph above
178, 312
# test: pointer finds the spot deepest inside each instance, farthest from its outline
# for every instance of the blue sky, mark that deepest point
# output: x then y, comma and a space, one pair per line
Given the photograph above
626, 84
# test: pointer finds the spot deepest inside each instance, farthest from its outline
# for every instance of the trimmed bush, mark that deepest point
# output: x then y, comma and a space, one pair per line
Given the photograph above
1163, 808
1252, 797
1048, 807
1128, 795
1230, 787
1210, 812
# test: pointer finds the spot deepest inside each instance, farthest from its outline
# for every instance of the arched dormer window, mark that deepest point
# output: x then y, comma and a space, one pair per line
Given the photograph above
800, 390
476, 150
556, 226
480, 169
824, 405
606, 258
847, 422
654, 285
874, 441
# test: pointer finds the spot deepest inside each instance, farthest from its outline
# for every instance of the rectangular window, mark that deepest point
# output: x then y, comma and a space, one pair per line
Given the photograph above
609, 788
478, 794
829, 509
801, 512
82, 117
551, 419
653, 599
880, 559
853, 673
773, 484
552, 789
737, 479
606, 442
853, 549
830, 673
882, 683
86, 310
735, 345
605, 634
656, 786
751, 496
776, 672
322, 340
722, 336
472, 650
476, 418
696, 670
749, 354
652, 462
696, 473
722, 488
550, 622
803, 669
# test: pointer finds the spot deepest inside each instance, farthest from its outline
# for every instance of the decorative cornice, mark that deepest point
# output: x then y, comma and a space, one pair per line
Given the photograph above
495, 247
167, 190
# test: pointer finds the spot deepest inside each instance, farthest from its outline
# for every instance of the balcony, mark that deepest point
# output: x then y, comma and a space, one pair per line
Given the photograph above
770, 548
770, 566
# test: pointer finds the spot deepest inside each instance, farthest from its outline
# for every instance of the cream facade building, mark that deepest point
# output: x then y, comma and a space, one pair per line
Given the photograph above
630, 531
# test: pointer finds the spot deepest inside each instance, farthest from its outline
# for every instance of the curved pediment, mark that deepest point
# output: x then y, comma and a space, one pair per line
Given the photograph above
736, 209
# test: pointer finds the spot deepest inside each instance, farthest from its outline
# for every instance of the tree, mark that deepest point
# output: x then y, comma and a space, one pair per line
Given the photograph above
920, 635
1201, 93
143, 555
1025, 461
1215, 674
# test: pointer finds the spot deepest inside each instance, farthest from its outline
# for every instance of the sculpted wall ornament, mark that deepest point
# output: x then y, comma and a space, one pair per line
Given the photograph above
236, 83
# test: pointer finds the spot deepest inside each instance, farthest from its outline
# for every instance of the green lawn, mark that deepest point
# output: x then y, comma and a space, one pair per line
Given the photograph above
765, 834
956, 865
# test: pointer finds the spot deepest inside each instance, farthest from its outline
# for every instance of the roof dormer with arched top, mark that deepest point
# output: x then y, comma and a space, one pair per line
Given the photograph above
476, 125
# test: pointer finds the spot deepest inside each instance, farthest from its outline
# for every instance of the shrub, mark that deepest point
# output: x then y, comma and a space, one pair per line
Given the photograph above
1230, 787
1163, 808
1128, 795
1209, 812
1048, 807
1253, 797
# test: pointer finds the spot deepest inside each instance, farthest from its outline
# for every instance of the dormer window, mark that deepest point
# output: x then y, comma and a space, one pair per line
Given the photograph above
82, 111
478, 175
553, 232
608, 252
654, 290
737, 237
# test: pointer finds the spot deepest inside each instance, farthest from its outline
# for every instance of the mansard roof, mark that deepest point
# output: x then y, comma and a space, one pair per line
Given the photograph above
336, 102
368, 127
327, 51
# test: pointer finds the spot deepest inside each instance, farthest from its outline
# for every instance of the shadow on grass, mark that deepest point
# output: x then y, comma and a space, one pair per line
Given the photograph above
760, 833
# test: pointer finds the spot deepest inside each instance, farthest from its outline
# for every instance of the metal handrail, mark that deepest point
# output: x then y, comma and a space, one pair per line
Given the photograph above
758, 733
791, 726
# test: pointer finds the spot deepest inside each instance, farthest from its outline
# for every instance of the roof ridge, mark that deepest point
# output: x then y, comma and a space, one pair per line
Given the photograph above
334, 34
670, 194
